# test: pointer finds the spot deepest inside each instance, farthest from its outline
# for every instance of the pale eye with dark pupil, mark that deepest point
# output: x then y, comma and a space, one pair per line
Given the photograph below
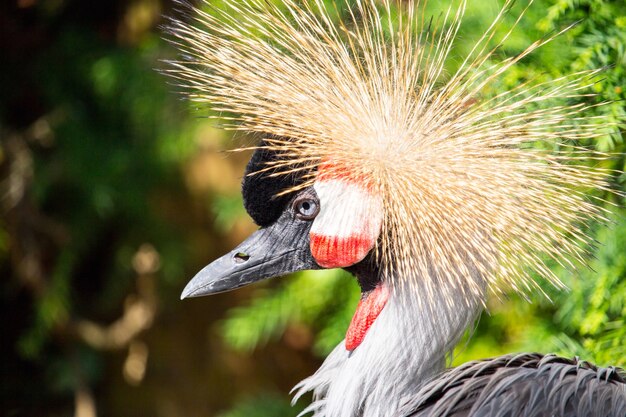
306, 209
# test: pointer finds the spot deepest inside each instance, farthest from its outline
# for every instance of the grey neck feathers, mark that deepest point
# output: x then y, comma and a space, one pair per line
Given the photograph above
406, 345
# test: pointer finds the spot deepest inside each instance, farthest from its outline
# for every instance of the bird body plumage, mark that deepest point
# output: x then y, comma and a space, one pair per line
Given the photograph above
461, 193
523, 385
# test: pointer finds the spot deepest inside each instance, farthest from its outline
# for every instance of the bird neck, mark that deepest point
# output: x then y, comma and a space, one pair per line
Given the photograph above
406, 345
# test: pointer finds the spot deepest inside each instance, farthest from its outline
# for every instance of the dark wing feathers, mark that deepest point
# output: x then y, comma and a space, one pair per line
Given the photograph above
523, 385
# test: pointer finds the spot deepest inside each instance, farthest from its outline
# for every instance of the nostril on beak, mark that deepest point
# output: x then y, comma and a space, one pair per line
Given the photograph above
241, 257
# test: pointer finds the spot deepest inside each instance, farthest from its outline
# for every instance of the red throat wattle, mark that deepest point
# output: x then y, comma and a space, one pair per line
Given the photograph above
370, 306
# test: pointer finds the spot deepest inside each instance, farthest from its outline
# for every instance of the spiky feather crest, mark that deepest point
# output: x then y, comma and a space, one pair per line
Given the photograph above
469, 200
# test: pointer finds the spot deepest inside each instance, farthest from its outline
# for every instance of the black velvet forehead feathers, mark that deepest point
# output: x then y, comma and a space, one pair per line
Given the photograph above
259, 190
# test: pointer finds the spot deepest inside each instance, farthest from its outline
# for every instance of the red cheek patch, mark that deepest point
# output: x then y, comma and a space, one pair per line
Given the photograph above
370, 306
348, 225
334, 252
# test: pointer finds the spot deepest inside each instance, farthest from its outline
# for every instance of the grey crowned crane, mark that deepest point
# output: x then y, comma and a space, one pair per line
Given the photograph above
433, 190
391, 361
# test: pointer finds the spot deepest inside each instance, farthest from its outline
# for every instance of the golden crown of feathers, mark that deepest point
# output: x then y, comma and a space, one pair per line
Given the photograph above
474, 190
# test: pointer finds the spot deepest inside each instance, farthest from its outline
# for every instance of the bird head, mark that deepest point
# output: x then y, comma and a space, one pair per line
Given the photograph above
334, 223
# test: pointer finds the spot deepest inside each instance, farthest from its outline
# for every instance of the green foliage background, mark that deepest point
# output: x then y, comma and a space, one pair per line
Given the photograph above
115, 191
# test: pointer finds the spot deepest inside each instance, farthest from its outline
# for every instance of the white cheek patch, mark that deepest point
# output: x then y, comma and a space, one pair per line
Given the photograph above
348, 224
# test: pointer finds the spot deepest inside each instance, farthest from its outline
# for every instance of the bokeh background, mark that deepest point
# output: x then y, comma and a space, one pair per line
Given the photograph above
115, 191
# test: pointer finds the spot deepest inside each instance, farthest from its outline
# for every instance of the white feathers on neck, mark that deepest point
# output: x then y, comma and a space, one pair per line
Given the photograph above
405, 346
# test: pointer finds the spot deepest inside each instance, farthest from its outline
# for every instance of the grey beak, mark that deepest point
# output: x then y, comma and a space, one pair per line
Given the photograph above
276, 250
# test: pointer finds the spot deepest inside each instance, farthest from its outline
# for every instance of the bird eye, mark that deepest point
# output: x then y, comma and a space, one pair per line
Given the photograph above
306, 208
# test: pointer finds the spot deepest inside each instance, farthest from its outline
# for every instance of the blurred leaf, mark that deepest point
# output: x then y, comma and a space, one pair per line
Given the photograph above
264, 405
227, 209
